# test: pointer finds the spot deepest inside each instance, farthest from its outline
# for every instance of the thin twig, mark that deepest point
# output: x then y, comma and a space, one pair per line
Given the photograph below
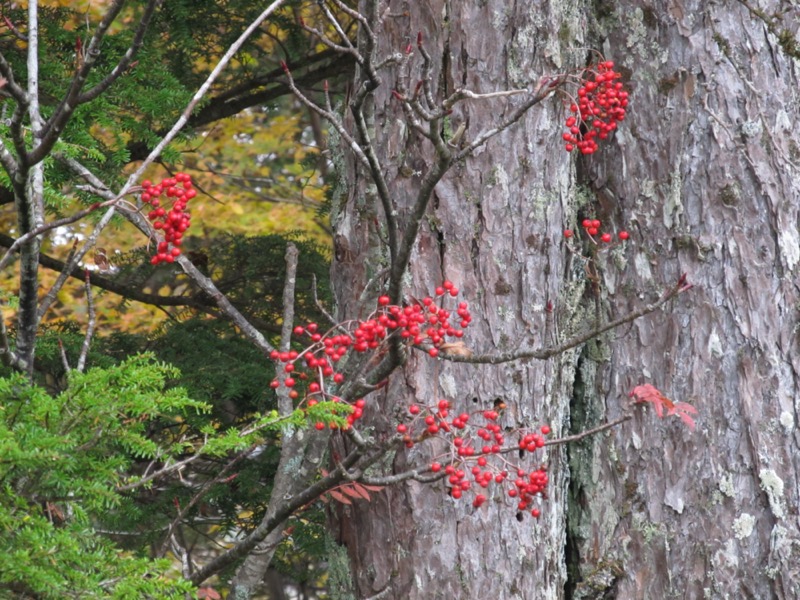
330, 117
584, 434
577, 340
204, 489
47, 227
546, 87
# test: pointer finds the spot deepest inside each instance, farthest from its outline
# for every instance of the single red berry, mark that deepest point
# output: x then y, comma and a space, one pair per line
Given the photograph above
299, 330
568, 233
413, 409
606, 237
624, 235
384, 300
545, 429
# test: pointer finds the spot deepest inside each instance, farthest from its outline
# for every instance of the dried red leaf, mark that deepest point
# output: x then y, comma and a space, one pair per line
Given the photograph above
339, 497
663, 405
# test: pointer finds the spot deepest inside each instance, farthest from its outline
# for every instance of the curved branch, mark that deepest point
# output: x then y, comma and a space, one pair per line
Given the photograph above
126, 59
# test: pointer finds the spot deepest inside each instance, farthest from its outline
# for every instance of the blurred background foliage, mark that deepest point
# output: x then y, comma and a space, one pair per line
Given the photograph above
259, 162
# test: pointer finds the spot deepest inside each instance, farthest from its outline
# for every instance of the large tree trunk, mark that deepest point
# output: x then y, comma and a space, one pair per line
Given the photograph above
704, 175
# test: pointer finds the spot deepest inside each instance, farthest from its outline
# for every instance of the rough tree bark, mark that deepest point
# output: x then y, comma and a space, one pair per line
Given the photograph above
704, 175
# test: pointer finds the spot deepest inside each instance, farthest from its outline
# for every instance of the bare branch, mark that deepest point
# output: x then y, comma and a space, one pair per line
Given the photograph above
376, 171
329, 116
51, 131
166, 470
6, 355
577, 340
11, 85
287, 507
544, 89
333, 21
425, 475
87, 340
200, 94
50, 297
64, 361
127, 58
584, 434
204, 489
432, 177
285, 406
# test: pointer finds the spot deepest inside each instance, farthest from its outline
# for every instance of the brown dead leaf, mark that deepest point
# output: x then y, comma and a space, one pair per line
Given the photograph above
456, 349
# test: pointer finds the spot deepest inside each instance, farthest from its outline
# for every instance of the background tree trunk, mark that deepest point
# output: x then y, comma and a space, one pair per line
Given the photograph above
704, 175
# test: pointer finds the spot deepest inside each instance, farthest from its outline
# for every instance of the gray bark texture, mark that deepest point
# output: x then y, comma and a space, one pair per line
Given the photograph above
704, 174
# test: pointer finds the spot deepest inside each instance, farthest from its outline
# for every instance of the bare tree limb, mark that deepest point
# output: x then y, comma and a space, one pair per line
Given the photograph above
87, 340
126, 59
51, 130
577, 340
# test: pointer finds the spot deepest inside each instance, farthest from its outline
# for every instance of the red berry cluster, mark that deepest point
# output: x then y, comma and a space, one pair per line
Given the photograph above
175, 221
475, 451
592, 229
424, 323
600, 106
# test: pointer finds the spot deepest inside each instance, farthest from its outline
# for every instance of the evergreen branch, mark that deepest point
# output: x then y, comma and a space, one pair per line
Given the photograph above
255, 93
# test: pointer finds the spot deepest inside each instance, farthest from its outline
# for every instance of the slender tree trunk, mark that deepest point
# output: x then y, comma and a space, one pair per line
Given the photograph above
704, 173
